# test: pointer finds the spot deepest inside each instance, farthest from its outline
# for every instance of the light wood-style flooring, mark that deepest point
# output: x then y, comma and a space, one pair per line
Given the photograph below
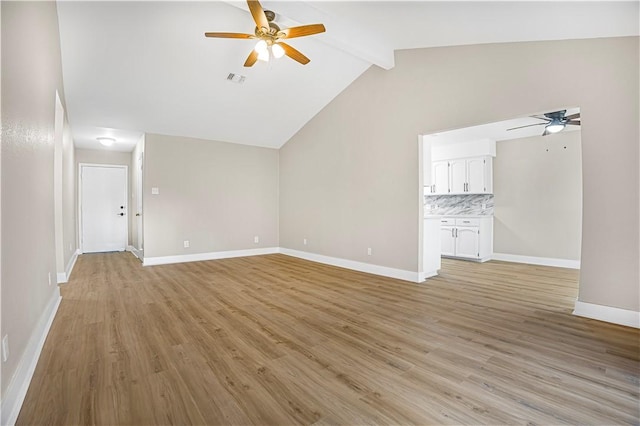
275, 340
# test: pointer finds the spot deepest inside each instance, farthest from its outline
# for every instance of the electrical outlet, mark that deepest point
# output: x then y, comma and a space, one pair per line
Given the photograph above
304, 241
186, 243
368, 251
5, 348
256, 239
484, 206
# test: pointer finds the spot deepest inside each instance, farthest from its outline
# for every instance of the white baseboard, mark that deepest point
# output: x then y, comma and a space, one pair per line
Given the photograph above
424, 275
136, 252
16, 391
356, 266
544, 261
607, 314
63, 277
198, 257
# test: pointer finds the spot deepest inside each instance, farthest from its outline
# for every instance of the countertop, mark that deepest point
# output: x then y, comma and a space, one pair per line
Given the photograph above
472, 216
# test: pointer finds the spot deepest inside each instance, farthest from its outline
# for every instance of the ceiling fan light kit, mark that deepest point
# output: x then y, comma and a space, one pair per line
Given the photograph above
554, 127
270, 36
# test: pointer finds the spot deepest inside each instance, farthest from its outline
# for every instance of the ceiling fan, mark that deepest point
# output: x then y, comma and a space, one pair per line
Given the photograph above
554, 122
270, 36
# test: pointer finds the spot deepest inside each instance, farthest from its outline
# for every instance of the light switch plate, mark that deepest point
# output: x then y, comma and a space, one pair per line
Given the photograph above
155, 191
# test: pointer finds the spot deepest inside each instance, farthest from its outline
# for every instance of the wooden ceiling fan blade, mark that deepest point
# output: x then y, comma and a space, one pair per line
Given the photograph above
528, 125
294, 54
573, 116
229, 35
302, 31
573, 122
258, 14
251, 59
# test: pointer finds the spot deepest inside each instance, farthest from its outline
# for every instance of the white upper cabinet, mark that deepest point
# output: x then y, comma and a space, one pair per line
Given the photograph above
461, 168
477, 175
458, 176
440, 177
462, 176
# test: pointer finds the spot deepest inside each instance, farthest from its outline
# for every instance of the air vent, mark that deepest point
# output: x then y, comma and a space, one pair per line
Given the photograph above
236, 78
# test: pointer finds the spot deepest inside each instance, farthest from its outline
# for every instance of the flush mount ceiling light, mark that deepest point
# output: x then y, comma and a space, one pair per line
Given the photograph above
270, 36
554, 122
106, 141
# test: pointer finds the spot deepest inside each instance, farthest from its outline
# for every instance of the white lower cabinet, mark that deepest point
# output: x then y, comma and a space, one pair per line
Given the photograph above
468, 238
468, 241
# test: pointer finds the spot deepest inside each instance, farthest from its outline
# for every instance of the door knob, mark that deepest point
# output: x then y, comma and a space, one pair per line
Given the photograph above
137, 214
120, 214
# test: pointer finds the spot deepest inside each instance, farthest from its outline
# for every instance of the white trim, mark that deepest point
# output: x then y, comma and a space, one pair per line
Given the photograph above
356, 266
544, 261
63, 277
17, 389
607, 313
197, 257
137, 253
422, 276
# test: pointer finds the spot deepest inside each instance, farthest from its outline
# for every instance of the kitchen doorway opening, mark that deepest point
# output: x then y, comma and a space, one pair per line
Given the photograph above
528, 192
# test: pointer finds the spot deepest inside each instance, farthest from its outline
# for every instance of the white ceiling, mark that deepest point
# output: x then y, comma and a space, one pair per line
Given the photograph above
135, 67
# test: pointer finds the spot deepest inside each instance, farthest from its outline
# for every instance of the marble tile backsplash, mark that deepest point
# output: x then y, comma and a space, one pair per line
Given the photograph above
476, 204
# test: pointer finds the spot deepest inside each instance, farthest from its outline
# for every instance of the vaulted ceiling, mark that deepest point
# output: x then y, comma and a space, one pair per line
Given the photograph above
136, 67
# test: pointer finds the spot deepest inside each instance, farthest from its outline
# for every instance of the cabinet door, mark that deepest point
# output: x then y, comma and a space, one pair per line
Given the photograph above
476, 176
457, 176
440, 177
467, 242
447, 241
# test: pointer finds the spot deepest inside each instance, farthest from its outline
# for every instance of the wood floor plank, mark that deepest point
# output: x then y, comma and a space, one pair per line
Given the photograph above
276, 340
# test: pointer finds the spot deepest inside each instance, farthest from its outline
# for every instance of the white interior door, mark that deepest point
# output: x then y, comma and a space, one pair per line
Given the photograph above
103, 208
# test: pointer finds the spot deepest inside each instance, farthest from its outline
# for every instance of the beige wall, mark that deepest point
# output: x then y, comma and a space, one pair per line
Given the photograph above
349, 178
96, 156
216, 195
537, 184
31, 74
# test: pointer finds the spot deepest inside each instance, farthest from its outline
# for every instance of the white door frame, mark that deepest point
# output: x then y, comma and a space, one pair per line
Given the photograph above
126, 173
139, 201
